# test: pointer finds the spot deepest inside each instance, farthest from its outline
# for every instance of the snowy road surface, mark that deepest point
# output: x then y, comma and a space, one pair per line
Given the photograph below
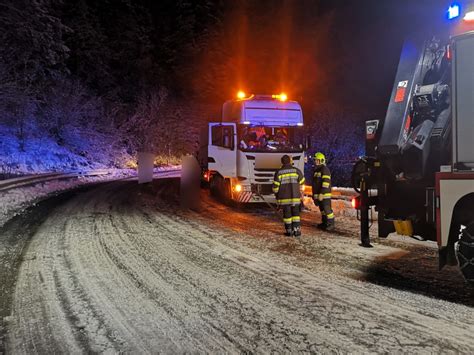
120, 268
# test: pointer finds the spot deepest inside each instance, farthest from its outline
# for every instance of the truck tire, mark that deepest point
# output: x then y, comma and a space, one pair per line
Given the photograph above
214, 186
464, 249
220, 189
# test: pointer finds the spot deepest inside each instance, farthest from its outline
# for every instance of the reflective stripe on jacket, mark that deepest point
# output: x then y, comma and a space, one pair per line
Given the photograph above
286, 185
322, 182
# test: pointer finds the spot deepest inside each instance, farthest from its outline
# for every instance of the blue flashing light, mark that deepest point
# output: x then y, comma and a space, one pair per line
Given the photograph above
454, 11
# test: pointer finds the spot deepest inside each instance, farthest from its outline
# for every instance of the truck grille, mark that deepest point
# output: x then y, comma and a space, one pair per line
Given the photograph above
263, 189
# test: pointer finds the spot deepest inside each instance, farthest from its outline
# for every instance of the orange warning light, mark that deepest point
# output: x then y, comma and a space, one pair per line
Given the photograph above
281, 97
241, 95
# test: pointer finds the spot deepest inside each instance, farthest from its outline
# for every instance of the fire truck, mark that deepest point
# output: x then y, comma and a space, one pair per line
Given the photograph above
240, 154
419, 168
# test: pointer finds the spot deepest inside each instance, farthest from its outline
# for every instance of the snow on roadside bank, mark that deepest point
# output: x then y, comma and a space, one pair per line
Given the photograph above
17, 200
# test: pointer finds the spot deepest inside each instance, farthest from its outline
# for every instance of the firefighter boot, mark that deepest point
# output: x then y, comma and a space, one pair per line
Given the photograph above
297, 230
288, 230
331, 225
324, 223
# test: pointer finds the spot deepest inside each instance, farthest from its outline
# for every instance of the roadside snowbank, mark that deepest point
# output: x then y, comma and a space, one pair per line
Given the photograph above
15, 201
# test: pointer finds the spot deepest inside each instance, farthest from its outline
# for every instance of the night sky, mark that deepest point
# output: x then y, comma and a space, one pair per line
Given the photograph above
343, 52
124, 66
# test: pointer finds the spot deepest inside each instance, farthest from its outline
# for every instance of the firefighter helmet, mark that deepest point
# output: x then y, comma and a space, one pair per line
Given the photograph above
320, 156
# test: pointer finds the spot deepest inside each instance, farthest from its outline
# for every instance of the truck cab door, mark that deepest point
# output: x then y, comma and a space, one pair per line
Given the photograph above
222, 148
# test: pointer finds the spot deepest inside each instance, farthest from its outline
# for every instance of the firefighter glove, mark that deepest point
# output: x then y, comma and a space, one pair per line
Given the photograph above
320, 197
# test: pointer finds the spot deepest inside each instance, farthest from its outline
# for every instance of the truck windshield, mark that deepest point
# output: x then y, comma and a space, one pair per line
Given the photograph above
270, 139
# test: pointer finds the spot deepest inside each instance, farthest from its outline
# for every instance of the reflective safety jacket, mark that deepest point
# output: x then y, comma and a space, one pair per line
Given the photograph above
286, 185
322, 182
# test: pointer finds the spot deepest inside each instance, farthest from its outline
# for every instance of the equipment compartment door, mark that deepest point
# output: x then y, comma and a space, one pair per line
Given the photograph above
463, 108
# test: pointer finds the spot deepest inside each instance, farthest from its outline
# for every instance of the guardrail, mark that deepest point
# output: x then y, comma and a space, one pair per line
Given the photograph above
9, 184
28, 180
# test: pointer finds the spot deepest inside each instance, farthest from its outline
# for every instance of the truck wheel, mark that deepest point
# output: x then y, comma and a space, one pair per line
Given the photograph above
214, 186
227, 192
464, 248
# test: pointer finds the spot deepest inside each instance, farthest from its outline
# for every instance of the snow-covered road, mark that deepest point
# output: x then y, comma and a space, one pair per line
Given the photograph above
120, 268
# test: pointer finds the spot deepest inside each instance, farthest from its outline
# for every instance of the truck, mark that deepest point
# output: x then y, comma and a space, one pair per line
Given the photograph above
240, 153
419, 168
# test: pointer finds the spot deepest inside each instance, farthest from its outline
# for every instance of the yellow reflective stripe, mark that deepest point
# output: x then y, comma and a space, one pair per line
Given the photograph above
289, 200
331, 215
275, 190
317, 174
327, 177
276, 183
325, 184
287, 220
287, 175
296, 219
325, 196
302, 181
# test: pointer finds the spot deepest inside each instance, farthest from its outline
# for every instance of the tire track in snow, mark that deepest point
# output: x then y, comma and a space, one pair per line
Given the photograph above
109, 273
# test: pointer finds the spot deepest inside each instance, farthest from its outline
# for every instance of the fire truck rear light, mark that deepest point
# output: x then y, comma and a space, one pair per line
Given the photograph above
238, 188
355, 202
469, 16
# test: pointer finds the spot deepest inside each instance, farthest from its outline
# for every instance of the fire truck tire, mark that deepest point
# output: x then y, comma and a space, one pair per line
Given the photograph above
465, 253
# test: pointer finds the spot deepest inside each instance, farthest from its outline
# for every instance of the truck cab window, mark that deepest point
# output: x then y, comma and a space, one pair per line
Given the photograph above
270, 139
222, 136
217, 135
228, 136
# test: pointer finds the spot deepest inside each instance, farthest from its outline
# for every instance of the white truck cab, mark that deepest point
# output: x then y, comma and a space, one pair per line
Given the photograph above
240, 154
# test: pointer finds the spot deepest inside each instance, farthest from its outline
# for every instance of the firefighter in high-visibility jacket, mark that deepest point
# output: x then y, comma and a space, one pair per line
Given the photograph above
287, 186
322, 192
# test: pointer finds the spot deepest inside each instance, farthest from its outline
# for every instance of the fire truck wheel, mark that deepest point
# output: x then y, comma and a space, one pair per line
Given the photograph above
465, 253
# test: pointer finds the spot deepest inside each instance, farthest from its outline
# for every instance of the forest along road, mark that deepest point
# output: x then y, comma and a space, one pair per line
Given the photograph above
120, 268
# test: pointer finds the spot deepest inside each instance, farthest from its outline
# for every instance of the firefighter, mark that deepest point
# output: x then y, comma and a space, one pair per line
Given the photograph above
322, 192
287, 185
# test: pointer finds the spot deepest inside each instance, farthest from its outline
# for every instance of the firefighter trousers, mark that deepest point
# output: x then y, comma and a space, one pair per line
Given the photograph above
326, 211
291, 217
